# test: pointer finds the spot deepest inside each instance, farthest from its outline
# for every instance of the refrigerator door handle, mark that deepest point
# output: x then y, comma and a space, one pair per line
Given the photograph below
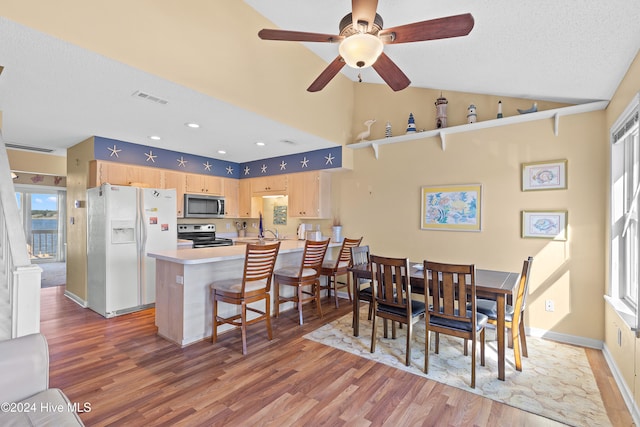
142, 242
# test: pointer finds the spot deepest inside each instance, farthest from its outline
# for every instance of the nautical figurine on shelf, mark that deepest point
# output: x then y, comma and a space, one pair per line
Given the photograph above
441, 112
472, 117
411, 124
364, 134
387, 130
533, 109
499, 110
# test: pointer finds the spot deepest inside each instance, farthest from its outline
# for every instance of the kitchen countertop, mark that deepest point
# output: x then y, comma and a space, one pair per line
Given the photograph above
222, 253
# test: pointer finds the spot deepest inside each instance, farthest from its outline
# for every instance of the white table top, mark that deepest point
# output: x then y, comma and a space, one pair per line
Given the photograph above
221, 253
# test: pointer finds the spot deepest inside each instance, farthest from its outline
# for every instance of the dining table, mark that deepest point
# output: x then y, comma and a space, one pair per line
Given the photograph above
490, 284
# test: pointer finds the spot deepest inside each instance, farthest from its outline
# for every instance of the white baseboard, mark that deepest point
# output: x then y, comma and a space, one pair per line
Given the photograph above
73, 297
565, 338
627, 395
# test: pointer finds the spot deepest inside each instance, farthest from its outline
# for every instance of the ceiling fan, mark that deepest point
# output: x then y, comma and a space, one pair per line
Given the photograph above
362, 38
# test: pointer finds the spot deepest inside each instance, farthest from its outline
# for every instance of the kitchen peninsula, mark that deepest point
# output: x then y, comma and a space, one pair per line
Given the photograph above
183, 304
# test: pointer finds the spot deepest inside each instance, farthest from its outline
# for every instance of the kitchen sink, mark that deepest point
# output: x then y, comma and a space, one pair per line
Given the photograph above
246, 240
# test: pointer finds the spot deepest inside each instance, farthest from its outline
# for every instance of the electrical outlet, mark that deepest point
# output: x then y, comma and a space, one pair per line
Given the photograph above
180, 280
548, 305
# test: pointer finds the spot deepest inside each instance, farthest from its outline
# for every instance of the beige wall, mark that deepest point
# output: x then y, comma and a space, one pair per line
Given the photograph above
619, 339
27, 161
78, 158
380, 199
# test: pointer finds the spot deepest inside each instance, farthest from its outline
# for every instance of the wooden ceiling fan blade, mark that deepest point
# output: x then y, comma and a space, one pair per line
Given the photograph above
391, 73
326, 76
434, 29
364, 10
298, 36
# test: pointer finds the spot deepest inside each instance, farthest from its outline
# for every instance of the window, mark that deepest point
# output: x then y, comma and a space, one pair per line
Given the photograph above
43, 218
625, 210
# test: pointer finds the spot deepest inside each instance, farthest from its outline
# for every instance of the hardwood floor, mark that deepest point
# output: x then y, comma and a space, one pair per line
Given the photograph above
130, 376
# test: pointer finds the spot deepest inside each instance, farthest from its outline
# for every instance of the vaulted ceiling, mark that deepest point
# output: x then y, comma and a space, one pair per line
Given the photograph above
573, 52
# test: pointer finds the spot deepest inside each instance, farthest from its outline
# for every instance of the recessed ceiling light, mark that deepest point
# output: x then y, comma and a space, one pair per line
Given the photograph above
222, 152
192, 125
155, 137
260, 144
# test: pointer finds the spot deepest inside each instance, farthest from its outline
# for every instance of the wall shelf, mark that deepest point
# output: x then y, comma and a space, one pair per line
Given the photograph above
555, 114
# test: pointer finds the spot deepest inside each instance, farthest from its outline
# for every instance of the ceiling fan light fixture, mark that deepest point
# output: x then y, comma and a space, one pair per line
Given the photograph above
360, 50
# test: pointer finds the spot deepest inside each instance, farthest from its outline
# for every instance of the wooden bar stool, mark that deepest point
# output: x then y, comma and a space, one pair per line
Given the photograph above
254, 286
338, 267
302, 277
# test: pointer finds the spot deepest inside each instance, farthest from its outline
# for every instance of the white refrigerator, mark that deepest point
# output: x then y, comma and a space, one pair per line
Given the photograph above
124, 224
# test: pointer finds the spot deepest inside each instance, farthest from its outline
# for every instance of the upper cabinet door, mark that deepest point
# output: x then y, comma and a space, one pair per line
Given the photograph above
310, 195
204, 184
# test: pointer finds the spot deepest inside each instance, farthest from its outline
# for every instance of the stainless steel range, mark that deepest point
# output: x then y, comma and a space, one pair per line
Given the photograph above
202, 235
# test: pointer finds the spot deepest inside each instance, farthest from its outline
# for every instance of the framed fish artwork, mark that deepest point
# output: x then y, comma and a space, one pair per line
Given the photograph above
548, 175
544, 225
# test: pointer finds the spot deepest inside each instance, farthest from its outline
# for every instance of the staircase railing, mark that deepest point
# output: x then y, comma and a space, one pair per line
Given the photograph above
19, 279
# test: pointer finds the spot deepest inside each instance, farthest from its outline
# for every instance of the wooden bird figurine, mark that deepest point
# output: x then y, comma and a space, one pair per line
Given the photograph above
362, 135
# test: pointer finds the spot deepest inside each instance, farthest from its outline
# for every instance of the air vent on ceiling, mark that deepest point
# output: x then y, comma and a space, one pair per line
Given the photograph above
28, 147
149, 97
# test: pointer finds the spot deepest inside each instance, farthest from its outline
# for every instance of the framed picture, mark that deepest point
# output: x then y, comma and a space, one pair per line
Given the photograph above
544, 225
549, 175
451, 207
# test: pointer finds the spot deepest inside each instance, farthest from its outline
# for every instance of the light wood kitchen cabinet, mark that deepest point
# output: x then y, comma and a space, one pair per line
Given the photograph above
176, 180
231, 189
269, 185
204, 184
310, 195
248, 206
122, 174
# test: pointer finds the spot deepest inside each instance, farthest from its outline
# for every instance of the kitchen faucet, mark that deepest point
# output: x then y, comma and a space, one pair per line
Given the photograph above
275, 233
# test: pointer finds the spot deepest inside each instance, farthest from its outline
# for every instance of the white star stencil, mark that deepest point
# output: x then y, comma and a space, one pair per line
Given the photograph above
182, 162
114, 151
329, 159
229, 170
246, 170
150, 156
263, 169
207, 166
283, 165
305, 162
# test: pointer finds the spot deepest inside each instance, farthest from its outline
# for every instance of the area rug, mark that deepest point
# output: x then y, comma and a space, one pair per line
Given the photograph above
556, 379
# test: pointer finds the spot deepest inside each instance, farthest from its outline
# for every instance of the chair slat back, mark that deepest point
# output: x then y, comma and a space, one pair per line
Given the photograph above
451, 287
360, 255
259, 263
391, 285
314, 252
523, 286
345, 250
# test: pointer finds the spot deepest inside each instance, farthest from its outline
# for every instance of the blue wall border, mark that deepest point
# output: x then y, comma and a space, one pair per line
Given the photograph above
113, 150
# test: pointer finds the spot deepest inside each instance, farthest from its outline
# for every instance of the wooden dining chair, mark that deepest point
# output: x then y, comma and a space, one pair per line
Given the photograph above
338, 267
391, 289
254, 286
305, 278
514, 315
451, 286
360, 256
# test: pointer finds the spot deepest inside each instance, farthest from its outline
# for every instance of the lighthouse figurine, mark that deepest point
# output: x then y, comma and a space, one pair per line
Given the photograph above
472, 117
441, 112
411, 124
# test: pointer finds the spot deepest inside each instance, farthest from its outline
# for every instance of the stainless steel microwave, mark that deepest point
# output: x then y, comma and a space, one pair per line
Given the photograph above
203, 206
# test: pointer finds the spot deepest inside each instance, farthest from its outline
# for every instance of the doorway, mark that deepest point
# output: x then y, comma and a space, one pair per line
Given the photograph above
43, 217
